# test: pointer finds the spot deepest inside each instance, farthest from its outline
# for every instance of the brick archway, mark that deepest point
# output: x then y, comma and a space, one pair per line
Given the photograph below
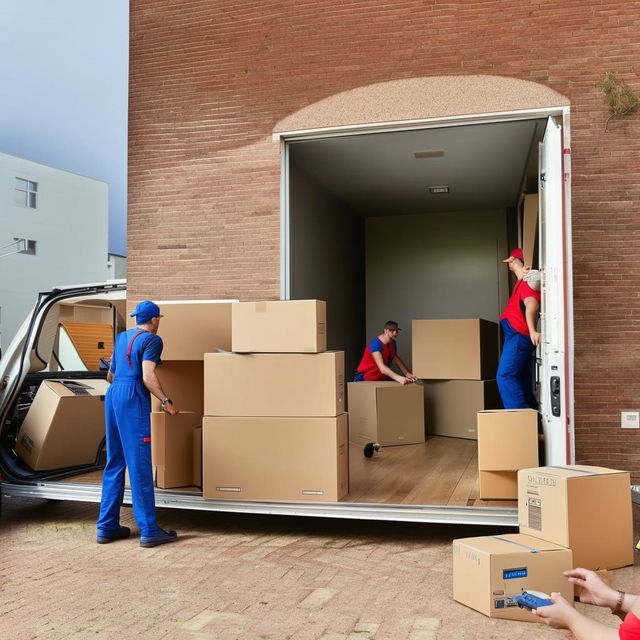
423, 98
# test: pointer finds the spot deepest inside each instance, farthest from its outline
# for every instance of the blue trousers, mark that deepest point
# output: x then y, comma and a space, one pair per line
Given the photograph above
128, 427
514, 371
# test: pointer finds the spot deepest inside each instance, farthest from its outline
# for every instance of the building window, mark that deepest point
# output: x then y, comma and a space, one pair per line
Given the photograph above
26, 193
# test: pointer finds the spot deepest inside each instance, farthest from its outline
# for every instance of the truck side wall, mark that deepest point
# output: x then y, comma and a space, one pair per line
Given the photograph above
209, 81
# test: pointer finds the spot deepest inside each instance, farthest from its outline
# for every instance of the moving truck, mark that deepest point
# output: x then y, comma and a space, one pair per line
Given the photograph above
449, 256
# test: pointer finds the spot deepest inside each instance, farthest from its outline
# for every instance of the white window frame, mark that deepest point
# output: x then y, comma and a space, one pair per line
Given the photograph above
30, 190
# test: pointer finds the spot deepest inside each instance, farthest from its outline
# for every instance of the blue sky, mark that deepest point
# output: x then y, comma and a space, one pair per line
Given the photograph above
64, 70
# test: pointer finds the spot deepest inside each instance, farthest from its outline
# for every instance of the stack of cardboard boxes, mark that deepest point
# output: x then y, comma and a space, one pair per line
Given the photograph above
458, 360
188, 331
274, 425
573, 516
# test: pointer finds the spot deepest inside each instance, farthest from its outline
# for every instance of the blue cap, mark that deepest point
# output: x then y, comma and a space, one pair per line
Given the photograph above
145, 311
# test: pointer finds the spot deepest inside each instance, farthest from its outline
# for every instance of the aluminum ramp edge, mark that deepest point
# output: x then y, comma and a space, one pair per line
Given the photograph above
441, 514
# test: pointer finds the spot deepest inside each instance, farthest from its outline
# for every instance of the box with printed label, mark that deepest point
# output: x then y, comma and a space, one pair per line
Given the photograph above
274, 384
191, 329
275, 458
385, 412
585, 508
172, 448
457, 349
451, 406
489, 571
64, 426
280, 326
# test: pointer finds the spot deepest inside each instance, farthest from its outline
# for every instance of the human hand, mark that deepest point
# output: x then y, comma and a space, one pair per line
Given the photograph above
403, 380
170, 409
559, 614
535, 338
411, 378
593, 589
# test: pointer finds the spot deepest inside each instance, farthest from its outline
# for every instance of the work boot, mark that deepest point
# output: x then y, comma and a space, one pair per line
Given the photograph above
160, 538
109, 536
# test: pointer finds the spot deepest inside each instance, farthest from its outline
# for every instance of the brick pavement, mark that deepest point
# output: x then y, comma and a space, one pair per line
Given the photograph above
234, 576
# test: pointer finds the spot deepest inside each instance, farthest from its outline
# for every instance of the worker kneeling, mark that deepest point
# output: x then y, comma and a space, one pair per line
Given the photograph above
380, 354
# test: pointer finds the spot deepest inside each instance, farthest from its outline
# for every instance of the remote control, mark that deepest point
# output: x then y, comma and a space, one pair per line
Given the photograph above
532, 600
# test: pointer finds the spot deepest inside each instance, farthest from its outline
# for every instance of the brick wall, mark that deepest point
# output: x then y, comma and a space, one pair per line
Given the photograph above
210, 79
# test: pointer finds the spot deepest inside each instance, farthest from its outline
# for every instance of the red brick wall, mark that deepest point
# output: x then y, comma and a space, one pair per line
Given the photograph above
210, 79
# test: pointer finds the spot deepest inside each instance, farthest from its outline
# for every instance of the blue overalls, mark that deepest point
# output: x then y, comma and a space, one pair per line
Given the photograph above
514, 371
128, 429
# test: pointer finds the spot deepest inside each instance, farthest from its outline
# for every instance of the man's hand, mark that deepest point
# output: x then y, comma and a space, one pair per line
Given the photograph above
559, 614
402, 379
535, 338
170, 409
593, 589
410, 377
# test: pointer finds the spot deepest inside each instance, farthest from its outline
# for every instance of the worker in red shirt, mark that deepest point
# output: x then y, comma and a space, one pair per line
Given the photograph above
518, 322
378, 356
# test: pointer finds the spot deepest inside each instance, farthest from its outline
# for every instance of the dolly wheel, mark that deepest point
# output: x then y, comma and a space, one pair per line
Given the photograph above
370, 448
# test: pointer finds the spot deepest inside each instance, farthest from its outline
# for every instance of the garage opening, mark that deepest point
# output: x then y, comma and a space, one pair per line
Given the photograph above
405, 225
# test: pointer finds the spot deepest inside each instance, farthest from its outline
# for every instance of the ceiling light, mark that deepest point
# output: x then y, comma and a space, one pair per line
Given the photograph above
429, 153
438, 189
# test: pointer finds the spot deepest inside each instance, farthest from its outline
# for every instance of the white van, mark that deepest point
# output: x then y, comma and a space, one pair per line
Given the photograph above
44, 349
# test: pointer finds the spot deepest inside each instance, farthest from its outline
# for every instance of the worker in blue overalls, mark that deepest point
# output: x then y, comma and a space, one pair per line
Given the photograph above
128, 426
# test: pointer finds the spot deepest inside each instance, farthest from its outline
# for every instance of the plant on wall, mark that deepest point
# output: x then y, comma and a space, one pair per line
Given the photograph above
618, 96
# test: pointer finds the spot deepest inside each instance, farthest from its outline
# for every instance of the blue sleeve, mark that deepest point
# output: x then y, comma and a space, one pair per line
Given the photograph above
375, 345
112, 364
152, 349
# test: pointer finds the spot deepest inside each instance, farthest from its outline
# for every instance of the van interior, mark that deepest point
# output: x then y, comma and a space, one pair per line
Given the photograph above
398, 225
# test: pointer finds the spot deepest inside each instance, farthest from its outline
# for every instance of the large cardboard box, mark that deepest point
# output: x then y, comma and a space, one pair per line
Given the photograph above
64, 426
183, 382
172, 448
451, 406
488, 571
585, 508
283, 326
275, 458
272, 384
507, 439
191, 329
197, 457
385, 412
460, 349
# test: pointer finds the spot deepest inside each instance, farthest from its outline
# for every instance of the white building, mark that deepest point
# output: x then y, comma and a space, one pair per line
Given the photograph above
53, 231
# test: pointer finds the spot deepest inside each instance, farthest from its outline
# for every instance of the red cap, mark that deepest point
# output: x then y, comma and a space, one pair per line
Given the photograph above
516, 253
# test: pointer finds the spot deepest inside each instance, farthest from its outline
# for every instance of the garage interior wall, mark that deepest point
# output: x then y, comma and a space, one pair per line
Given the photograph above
436, 265
327, 261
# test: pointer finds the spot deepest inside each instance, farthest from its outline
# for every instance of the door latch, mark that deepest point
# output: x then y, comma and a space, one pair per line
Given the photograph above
554, 384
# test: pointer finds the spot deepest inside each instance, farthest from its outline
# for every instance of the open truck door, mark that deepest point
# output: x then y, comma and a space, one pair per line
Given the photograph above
555, 364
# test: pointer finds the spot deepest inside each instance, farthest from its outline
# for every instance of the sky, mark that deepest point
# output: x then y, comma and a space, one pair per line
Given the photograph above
64, 71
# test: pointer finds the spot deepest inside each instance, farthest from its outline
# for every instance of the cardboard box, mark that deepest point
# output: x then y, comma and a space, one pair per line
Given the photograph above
507, 439
172, 448
284, 326
585, 508
489, 570
385, 412
197, 456
64, 426
191, 329
272, 384
275, 458
498, 485
451, 406
465, 349
183, 382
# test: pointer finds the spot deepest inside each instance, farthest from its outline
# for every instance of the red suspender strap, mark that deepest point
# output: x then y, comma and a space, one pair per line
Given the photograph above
131, 347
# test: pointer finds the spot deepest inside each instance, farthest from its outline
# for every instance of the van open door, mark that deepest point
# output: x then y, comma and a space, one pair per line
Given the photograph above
555, 371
